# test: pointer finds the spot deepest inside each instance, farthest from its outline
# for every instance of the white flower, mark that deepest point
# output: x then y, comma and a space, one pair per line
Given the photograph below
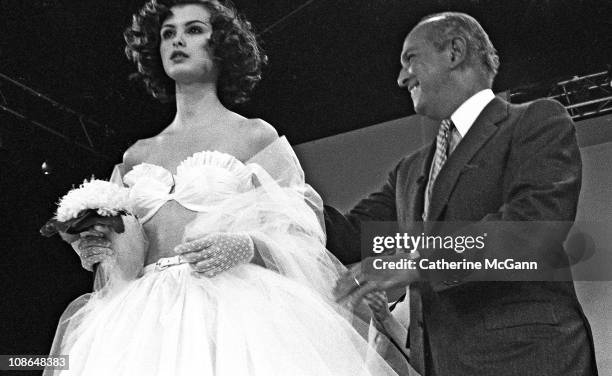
106, 197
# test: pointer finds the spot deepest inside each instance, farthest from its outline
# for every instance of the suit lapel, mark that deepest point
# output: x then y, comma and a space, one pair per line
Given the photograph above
418, 193
483, 128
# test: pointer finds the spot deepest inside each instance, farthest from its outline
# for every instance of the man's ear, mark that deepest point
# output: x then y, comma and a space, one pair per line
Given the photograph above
457, 51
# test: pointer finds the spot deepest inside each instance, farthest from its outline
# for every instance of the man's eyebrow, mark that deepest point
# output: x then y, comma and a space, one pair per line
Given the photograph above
408, 51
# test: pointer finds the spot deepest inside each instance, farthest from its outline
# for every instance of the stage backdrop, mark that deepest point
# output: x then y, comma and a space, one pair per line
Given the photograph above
348, 166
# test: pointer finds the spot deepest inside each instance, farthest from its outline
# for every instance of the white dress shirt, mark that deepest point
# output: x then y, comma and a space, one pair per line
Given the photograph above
464, 117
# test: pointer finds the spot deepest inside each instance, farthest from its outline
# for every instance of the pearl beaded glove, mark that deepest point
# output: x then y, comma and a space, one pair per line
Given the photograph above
217, 252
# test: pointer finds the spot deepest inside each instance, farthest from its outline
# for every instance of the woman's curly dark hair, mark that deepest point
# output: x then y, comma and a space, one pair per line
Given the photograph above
237, 54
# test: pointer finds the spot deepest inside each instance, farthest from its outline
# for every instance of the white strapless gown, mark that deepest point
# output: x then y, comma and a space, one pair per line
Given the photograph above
250, 320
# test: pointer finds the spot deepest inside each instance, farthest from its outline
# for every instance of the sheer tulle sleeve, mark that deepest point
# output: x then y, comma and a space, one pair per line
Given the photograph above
117, 174
283, 216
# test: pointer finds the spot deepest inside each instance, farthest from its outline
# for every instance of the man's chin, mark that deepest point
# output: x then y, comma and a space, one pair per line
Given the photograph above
418, 108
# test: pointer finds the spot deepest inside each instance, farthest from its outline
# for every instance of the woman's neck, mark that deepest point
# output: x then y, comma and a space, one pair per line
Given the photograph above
197, 105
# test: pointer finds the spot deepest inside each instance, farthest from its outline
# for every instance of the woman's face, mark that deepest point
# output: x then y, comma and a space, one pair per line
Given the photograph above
184, 49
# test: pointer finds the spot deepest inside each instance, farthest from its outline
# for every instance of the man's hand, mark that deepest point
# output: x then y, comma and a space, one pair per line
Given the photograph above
217, 252
379, 305
354, 285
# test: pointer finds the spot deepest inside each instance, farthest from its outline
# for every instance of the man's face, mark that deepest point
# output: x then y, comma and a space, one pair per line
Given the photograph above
424, 73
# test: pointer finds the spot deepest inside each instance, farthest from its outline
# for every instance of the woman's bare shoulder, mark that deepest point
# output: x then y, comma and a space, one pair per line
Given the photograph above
138, 152
260, 133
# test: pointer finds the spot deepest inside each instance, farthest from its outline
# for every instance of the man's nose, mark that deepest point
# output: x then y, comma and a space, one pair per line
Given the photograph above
402, 79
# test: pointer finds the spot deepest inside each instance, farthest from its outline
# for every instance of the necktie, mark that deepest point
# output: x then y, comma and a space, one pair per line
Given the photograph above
439, 158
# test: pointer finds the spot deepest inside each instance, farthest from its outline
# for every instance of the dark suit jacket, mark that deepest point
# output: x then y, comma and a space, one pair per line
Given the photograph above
516, 163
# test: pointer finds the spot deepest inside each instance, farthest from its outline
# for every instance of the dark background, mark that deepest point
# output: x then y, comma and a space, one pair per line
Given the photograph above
333, 68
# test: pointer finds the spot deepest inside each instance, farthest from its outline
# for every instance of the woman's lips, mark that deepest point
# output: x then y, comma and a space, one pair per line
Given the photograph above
178, 55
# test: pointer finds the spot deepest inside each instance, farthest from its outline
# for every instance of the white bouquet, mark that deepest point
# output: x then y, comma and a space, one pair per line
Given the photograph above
99, 202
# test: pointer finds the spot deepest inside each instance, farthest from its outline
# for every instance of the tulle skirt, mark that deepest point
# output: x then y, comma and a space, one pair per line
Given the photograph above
246, 321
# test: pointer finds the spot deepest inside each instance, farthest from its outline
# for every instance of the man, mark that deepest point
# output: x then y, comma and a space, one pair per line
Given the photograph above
491, 161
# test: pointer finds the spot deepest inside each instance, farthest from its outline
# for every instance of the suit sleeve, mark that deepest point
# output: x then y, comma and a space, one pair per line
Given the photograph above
546, 168
343, 230
540, 195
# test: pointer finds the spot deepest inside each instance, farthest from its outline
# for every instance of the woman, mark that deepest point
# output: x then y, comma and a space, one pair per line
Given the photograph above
238, 281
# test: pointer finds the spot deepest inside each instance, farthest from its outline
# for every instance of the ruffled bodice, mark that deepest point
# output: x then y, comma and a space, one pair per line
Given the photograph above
201, 181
